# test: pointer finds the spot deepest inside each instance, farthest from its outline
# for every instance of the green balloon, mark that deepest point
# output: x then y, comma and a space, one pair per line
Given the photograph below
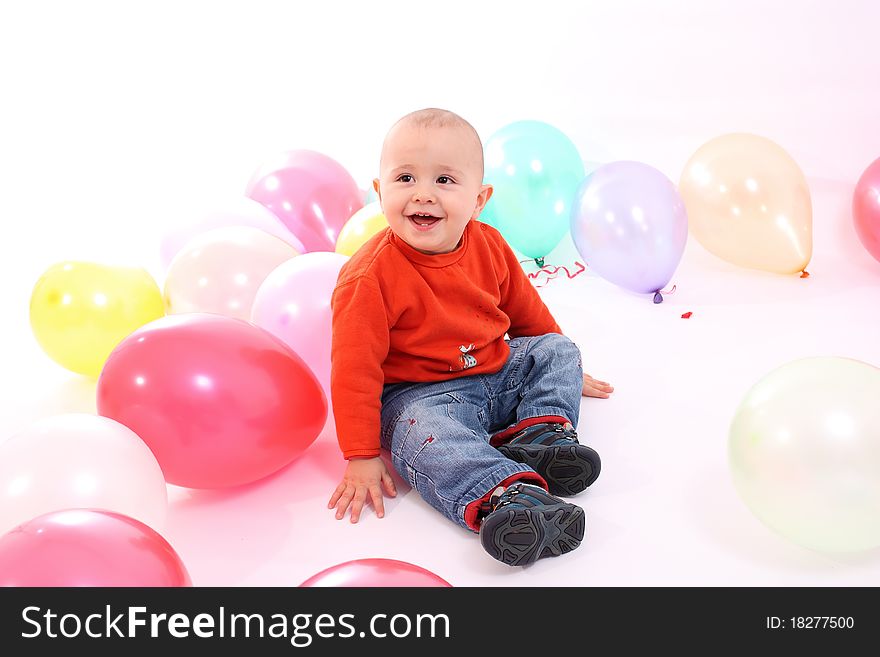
535, 170
804, 453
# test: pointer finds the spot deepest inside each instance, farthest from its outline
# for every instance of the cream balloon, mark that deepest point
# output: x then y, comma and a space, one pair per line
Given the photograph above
220, 271
748, 202
76, 460
805, 453
241, 211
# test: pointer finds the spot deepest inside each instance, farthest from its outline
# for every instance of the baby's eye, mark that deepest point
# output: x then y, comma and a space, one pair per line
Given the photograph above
405, 177
445, 180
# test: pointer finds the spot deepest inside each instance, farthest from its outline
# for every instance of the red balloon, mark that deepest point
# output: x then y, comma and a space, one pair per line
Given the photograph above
88, 547
375, 572
220, 401
312, 194
866, 209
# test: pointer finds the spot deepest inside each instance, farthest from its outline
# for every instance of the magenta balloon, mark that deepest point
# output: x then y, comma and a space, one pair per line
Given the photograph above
88, 547
221, 402
312, 194
630, 225
375, 572
866, 209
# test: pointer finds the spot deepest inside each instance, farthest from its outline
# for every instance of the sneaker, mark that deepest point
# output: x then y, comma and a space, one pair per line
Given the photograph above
552, 450
526, 523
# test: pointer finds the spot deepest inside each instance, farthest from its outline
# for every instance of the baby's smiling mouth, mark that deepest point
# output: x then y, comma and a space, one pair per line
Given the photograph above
423, 218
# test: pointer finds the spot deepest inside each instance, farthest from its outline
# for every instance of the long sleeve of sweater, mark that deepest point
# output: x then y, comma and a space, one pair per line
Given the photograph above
521, 302
358, 348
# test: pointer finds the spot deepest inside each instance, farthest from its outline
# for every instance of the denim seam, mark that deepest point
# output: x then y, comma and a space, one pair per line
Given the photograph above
433, 485
519, 358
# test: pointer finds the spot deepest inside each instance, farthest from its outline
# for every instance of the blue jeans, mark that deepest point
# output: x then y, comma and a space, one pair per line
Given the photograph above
438, 432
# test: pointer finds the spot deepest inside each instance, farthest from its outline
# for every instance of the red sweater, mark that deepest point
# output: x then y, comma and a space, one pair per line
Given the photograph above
402, 315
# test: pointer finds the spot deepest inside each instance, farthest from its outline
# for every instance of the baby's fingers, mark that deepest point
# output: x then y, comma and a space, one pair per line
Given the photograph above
378, 500
388, 483
357, 504
340, 489
344, 501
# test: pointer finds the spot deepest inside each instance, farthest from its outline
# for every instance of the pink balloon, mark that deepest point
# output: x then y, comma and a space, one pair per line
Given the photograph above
88, 547
241, 211
866, 209
293, 303
375, 572
311, 193
221, 402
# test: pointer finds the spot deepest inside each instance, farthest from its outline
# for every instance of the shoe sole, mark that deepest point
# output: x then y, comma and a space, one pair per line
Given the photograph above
521, 536
568, 469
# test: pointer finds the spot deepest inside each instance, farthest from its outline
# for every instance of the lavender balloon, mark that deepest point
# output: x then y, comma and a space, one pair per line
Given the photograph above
630, 225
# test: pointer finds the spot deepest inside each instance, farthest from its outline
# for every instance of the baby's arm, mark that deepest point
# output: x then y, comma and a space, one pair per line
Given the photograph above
360, 343
363, 477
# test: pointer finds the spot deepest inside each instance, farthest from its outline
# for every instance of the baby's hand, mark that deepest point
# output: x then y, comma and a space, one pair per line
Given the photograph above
362, 477
595, 388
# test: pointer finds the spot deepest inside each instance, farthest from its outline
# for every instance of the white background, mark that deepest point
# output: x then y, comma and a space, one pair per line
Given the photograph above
119, 120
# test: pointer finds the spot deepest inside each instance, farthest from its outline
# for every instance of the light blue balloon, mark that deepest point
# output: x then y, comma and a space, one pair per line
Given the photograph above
535, 170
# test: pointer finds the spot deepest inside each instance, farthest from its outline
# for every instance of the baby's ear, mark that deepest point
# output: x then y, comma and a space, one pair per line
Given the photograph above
482, 198
376, 187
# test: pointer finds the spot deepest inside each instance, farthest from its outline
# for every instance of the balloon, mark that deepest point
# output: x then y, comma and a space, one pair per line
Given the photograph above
363, 224
369, 195
630, 225
805, 453
375, 572
241, 211
220, 271
535, 170
311, 193
79, 460
88, 547
81, 310
866, 209
221, 402
748, 203
293, 303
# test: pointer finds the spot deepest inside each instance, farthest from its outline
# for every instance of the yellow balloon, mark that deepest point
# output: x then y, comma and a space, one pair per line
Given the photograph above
80, 311
362, 225
748, 202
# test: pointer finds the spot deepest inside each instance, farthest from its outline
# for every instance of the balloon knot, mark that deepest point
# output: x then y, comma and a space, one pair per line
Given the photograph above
658, 298
539, 262
805, 274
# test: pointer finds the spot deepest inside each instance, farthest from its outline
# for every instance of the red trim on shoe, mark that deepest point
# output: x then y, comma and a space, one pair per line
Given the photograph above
499, 438
472, 510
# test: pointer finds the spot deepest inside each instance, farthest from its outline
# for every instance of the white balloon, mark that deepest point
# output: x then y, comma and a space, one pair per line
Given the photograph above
76, 460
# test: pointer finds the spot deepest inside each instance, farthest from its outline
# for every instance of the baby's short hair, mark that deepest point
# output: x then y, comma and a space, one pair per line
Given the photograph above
433, 117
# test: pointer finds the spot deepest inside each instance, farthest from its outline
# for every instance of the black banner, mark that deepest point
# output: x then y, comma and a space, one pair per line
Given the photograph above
275, 621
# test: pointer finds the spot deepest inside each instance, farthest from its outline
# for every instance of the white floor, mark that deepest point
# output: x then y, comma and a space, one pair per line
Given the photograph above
118, 122
664, 510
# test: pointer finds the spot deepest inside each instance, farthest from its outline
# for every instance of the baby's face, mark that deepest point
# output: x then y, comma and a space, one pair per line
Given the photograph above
431, 185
